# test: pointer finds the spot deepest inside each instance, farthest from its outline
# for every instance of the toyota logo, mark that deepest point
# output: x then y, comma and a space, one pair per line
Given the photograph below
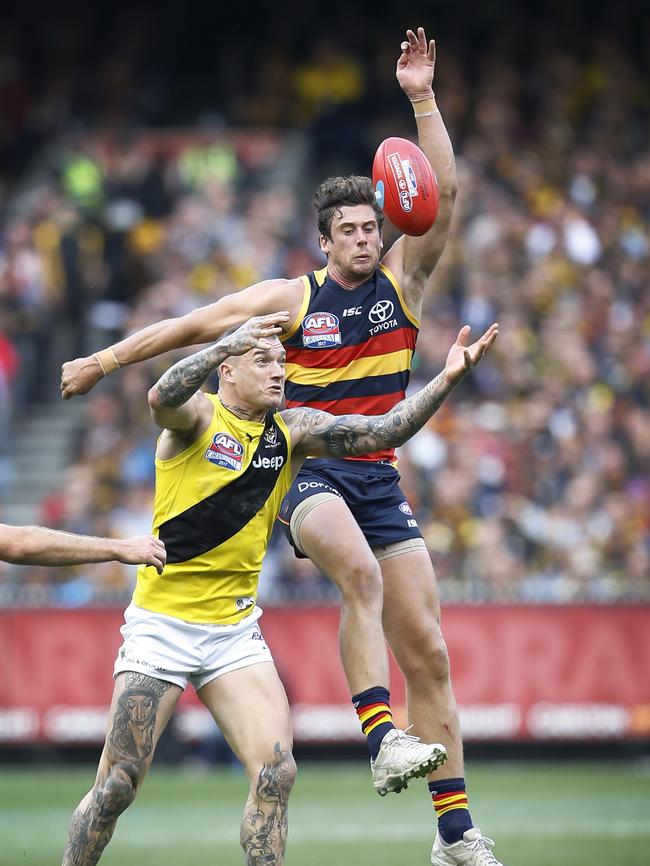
381, 311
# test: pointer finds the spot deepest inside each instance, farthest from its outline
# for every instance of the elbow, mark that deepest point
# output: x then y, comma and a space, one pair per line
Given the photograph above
448, 190
153, 398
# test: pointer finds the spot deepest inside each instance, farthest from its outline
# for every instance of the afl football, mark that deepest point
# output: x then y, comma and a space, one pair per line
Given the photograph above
405, 186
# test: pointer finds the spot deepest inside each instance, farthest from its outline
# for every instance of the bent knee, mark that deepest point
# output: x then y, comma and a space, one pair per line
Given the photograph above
361, 582
276, 778
120, 787
424, 659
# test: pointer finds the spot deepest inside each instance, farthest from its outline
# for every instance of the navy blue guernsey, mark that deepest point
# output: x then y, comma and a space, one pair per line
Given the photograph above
350, 350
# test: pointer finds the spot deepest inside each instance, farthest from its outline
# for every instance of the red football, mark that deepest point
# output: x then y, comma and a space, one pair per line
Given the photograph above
405, 186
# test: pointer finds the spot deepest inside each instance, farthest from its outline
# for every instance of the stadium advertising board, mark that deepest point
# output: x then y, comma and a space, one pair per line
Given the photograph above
520, 673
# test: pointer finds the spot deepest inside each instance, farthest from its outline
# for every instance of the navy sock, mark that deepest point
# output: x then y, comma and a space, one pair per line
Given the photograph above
373, 709
450, 802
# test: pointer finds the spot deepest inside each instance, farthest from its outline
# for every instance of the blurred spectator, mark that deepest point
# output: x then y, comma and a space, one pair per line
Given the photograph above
533, 482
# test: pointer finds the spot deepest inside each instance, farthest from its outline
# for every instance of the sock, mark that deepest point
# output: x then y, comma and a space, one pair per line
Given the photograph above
373, 709
450, 802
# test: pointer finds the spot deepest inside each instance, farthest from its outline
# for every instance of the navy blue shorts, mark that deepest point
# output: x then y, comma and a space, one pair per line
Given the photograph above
370, 490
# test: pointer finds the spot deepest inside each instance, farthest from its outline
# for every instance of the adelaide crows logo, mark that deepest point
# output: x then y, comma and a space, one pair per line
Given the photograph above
321, 331
225, 451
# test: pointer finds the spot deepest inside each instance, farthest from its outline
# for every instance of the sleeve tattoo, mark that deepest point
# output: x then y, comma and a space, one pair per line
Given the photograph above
177, 385
345, 435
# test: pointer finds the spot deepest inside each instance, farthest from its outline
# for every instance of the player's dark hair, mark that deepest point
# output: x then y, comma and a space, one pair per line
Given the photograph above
335, 192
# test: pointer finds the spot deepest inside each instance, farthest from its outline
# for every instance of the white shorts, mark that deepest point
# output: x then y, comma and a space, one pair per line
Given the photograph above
168, 648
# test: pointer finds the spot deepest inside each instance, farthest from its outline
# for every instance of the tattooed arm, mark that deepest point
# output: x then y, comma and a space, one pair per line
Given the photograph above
320, 434
175, 400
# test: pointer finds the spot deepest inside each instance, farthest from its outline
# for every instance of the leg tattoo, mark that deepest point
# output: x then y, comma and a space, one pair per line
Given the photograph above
128, 747
264, 826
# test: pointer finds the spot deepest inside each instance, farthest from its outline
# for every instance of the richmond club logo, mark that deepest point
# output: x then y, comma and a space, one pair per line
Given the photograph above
225, 451
321, 331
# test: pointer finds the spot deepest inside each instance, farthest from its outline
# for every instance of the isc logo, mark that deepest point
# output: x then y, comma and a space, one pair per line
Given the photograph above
321, 330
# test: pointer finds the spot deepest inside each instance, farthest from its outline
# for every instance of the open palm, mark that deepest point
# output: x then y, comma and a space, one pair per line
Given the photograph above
462, 357
415, 64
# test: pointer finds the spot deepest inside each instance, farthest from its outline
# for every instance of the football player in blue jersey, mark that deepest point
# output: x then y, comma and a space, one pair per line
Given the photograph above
376, 556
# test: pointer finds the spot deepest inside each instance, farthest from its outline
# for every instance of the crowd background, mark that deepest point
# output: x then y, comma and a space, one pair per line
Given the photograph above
151, 165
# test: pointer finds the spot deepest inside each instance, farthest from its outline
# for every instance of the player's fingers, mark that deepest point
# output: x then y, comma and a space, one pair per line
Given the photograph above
431, 53
412, 38
422, 39
269, 328
280, 316
463, 335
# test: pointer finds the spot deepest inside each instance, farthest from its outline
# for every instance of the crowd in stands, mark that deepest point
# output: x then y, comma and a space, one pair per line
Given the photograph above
532, 483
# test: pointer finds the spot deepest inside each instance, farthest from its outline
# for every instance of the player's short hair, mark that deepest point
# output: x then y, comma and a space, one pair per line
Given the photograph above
335, 192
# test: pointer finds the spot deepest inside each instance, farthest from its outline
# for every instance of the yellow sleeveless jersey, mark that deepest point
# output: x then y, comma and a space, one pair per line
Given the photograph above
214, 509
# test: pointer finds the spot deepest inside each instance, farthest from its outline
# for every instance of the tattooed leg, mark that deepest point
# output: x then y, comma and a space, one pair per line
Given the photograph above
264, 826
126, 758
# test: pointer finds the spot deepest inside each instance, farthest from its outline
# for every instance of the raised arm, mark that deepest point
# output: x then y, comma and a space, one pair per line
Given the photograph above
199, 326
319, 434
35, 545
175, 400
411, 259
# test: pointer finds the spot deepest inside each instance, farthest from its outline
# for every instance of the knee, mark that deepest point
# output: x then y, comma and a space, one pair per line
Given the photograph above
275, 779
289, 771
361, 583
425, 657
120, 788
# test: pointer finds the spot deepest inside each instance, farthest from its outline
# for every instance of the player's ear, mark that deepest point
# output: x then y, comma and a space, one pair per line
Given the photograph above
324, 244
226, 371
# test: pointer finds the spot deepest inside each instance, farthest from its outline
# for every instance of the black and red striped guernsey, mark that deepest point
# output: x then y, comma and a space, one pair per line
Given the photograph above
350, 350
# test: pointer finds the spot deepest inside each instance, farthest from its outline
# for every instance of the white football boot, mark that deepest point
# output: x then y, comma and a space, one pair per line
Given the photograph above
472, 850
402, 757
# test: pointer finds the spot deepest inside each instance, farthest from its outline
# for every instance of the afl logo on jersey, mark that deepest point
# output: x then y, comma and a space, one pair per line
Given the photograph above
321, 331
225, 451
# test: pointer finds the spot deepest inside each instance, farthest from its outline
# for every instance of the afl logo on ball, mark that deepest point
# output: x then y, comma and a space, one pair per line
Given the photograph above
321, 331
225, 451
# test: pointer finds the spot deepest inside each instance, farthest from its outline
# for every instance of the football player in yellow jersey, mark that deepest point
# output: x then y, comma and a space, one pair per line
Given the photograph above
37, 545
390, 576
212, 445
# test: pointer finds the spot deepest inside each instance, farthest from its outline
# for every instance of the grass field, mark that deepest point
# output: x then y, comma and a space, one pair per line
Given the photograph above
540, 814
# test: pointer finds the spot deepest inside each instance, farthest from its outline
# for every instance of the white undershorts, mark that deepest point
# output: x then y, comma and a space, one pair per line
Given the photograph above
168, 648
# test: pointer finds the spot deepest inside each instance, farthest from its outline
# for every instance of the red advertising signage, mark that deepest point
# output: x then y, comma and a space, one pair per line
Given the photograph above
536, 673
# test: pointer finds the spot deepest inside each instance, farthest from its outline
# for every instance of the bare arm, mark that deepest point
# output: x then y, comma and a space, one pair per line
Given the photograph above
199, 326
175, 401
411, 259
36, 545
320, 434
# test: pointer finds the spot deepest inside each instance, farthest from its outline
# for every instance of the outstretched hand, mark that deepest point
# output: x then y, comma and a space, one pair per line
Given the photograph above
253, 333
146, 549
416, 64
462, 358
79, 376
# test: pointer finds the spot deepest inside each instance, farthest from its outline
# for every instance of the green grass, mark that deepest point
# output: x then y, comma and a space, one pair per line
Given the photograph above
540, 814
